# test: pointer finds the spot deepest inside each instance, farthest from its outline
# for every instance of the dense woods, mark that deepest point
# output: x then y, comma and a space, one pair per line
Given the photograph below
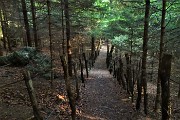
48, 49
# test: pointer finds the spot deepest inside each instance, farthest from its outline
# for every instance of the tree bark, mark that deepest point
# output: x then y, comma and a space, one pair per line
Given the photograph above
6, 27
3, 29
179, 92
50, 40
68, 88
82, 75
33, 11
93, 50
86, 65
1, 50
121, 73
165, 85
107, 59
62, 24
77, 82
68, 34
144, 59
161, 49
32, 95
26, 23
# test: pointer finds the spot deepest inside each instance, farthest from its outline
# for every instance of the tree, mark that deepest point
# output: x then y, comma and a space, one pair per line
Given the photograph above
165, 86
33, 11
68, 34
144, 57
50, 40
3, 29
62, 24
161, 50
26, 23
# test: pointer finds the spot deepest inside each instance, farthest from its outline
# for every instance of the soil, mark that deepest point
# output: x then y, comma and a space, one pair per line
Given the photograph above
102, 98
14, 98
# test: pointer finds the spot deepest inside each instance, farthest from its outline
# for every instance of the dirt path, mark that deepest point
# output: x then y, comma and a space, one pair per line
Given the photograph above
103, 98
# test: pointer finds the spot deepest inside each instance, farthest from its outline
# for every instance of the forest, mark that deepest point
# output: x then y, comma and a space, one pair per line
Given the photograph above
89, 59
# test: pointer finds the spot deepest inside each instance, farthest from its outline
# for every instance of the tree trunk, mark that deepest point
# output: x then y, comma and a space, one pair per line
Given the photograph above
50, 40
129, 74
6, 28
26, 23
165, 86
179, 92
32, 95
3, 29
161, 49
121, 73
144, 59
98, 47
66, 12
33, 11
1, 50
92, 50
77, 82
68, 88
107, 58
81, 65
86, 65
62, 24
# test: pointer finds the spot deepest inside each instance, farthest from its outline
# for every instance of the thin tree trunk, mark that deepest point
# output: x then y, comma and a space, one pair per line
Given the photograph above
50, 40
81, 65
152, 69
77, 82
161, 49
121, 74
86, 65
1, 50
62, 24
3, 30
6, 26
33, 11
26, 23
30, 89
144, 59
67, 19
93, 50
165, 86
7, 35
129, 74
107, 58
179, 92
23, 42
68, 89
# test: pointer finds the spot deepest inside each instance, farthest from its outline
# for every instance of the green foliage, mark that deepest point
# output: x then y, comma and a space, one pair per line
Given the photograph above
103, 18
123, 42
126, 20
40, 64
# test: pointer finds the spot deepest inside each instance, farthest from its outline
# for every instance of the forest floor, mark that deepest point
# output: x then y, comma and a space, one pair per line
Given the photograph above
103, 98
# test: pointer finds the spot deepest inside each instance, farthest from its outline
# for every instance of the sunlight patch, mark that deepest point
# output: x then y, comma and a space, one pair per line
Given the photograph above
92, 117
100, 73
